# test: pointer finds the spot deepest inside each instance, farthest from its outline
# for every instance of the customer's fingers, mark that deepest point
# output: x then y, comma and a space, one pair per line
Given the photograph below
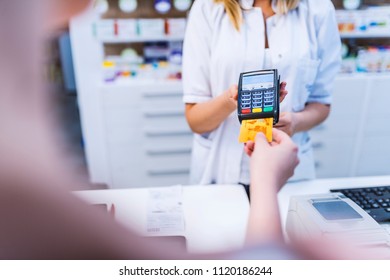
261, 141
280, 136
249, 147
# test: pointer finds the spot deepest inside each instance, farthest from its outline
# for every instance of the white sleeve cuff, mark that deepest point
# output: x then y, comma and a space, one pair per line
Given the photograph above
193, 99
323, 100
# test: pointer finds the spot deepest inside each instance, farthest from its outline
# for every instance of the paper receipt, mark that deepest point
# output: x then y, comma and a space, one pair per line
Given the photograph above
165, 212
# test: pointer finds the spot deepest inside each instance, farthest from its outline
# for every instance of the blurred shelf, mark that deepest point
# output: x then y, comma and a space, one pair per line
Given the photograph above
140, 39
362, 76
364, 35
178, 83
142, 82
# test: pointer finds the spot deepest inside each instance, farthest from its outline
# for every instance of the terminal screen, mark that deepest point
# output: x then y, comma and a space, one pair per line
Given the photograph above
336, 210
253, 82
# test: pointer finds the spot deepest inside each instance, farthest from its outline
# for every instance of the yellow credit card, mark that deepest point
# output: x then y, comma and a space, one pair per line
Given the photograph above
250, 128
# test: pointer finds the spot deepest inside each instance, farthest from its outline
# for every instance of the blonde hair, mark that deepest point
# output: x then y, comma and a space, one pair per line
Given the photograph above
234, 12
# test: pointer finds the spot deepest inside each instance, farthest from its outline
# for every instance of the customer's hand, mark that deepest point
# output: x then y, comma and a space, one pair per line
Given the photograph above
287, 123
272, 163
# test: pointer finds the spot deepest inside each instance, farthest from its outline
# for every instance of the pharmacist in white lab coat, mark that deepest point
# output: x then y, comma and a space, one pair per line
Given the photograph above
301, 40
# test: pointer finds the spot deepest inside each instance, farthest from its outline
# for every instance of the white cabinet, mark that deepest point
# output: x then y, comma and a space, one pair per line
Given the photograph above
354, 139
147, 138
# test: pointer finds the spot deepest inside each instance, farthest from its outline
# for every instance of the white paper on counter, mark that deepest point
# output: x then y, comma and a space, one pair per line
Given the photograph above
165, 212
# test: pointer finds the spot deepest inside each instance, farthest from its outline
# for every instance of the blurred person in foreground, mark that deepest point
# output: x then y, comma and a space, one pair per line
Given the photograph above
40, 218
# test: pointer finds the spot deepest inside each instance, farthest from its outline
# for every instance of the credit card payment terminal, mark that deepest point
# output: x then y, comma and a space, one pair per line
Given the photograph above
258, 103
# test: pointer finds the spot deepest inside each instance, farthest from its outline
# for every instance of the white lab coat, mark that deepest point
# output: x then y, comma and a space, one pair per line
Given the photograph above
305, 48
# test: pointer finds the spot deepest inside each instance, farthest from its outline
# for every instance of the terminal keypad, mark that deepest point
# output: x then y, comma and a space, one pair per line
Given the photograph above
257, 101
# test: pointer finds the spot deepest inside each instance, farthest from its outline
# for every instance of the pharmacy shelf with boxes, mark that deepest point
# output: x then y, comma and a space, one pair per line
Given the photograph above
365, 33
142, 43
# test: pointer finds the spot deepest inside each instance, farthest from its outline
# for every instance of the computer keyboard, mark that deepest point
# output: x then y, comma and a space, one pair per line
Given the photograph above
374, 200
